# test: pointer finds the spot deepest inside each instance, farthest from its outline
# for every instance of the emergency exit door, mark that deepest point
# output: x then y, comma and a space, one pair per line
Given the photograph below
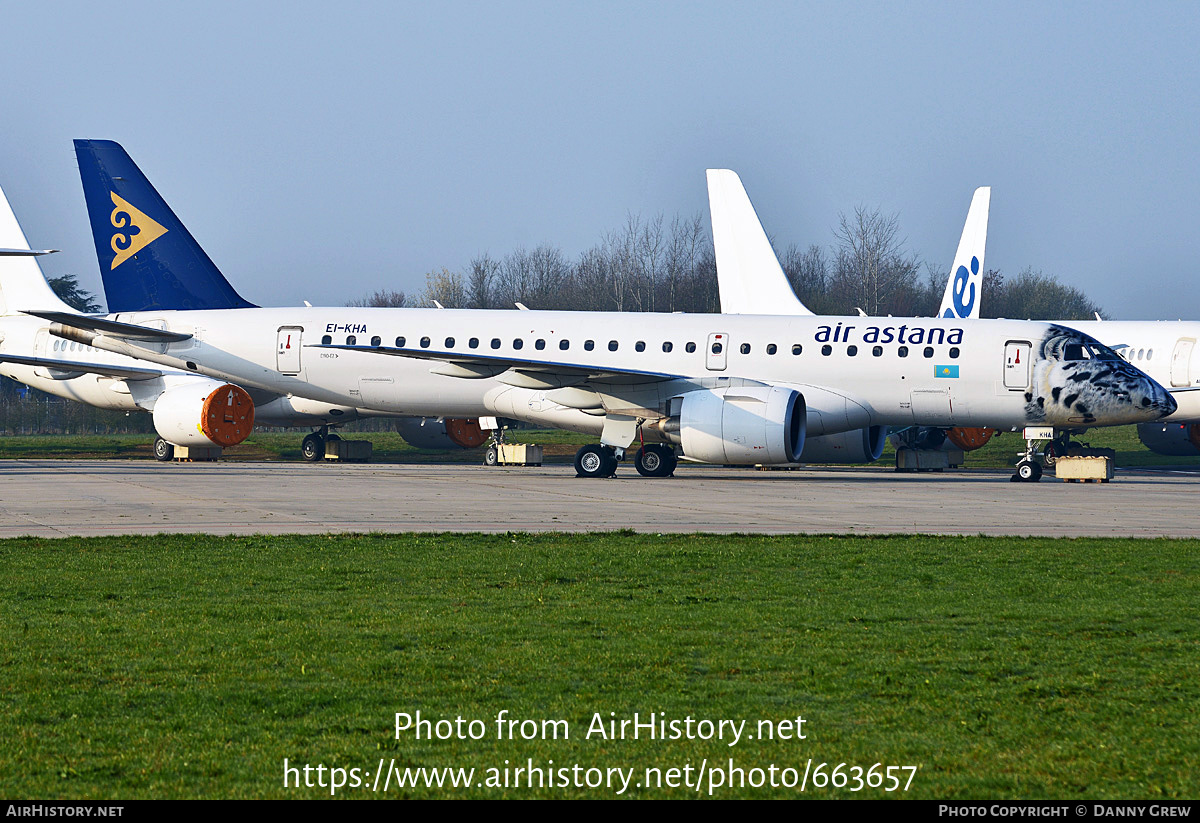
1016, 364
287, 360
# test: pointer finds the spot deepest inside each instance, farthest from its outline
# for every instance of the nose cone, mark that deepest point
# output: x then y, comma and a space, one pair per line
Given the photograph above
1154, 400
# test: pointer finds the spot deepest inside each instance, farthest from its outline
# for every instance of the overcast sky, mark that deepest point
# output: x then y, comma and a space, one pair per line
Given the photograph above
320, 151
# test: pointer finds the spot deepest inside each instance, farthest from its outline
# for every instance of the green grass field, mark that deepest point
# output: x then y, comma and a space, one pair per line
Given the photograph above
559, 446
191, 666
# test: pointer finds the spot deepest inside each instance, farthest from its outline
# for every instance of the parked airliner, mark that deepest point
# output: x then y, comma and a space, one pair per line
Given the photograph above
727, 389
1163, 349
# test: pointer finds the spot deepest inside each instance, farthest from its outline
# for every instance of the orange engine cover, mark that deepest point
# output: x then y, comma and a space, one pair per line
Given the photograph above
227, 417
465, 432
969, 439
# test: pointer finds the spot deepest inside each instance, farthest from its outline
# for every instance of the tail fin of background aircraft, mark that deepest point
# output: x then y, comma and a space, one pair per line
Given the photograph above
749, 276
962, 295
22, 285
148, 260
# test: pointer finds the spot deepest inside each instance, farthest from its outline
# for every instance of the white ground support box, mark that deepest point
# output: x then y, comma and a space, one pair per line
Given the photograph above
519, 454
348, 451
1087, 469
197, 454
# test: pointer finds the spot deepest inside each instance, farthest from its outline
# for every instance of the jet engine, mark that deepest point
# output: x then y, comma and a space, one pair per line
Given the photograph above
856, 446
204, 413
441, 433
741, 425
1177, 439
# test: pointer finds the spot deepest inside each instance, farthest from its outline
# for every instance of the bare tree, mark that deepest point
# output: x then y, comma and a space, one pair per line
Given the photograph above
446, 287
383, 298
872, 270
480, 282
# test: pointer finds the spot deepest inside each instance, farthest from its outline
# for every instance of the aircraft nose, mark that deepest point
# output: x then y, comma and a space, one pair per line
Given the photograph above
1156, 399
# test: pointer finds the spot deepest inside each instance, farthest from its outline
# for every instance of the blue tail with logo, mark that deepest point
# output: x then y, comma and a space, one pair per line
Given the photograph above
148, 260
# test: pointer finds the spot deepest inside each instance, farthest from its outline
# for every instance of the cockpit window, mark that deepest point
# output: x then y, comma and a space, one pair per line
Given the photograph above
1075, 351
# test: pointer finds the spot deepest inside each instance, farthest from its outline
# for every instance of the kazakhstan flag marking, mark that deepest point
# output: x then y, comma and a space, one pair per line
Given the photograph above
945, 371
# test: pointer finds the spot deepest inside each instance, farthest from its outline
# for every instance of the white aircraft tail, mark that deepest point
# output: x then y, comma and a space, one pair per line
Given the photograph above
962, 295
22, 285
749, 276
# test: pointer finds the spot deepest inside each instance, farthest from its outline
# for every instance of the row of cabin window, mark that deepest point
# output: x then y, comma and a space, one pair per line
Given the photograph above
640, 346
62, 345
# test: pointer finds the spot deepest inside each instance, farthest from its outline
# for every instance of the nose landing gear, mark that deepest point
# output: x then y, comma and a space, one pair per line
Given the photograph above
1029, 469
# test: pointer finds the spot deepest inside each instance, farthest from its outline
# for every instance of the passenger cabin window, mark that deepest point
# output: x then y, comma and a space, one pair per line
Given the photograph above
772, 348
424, 342
667, 346
877, 351
376, 340
954, 353
449, 342
639, 345
539, 344
588, 345
495, 342
518, 343
564, 344
327, 339
690, 347
797, 348
852, 350
612, 345
827, 350
351, 340
745, 348
717, 348
928, 351
399, 342
902, 351
473, 342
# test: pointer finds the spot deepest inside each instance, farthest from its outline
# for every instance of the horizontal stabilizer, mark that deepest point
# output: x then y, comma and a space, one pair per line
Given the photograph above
127, 331
120, 372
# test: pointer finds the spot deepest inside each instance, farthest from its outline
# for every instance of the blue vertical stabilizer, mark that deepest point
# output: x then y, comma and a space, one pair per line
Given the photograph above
148, 260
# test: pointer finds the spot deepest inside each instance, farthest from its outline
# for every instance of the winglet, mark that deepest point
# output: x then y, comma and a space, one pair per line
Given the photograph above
962, 295
749, 276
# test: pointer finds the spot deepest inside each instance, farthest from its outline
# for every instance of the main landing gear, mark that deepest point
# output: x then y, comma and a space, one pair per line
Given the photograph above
654, 460
163, 451
312, 448
596, 461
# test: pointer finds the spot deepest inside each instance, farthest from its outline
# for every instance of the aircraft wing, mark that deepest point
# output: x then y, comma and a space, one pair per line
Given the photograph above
473, 365
129, 331
119, 372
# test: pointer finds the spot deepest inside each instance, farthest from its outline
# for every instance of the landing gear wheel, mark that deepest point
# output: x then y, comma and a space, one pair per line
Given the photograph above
491, 457
163, 451
654, 461
313, 448
1028, 471
595, 461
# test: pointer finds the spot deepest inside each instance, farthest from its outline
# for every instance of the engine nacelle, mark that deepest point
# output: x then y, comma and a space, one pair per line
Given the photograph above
742, 425
857, 446
441, 433
204, 413
1177, 439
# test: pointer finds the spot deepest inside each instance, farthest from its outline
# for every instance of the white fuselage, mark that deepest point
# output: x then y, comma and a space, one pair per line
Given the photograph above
853, 372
